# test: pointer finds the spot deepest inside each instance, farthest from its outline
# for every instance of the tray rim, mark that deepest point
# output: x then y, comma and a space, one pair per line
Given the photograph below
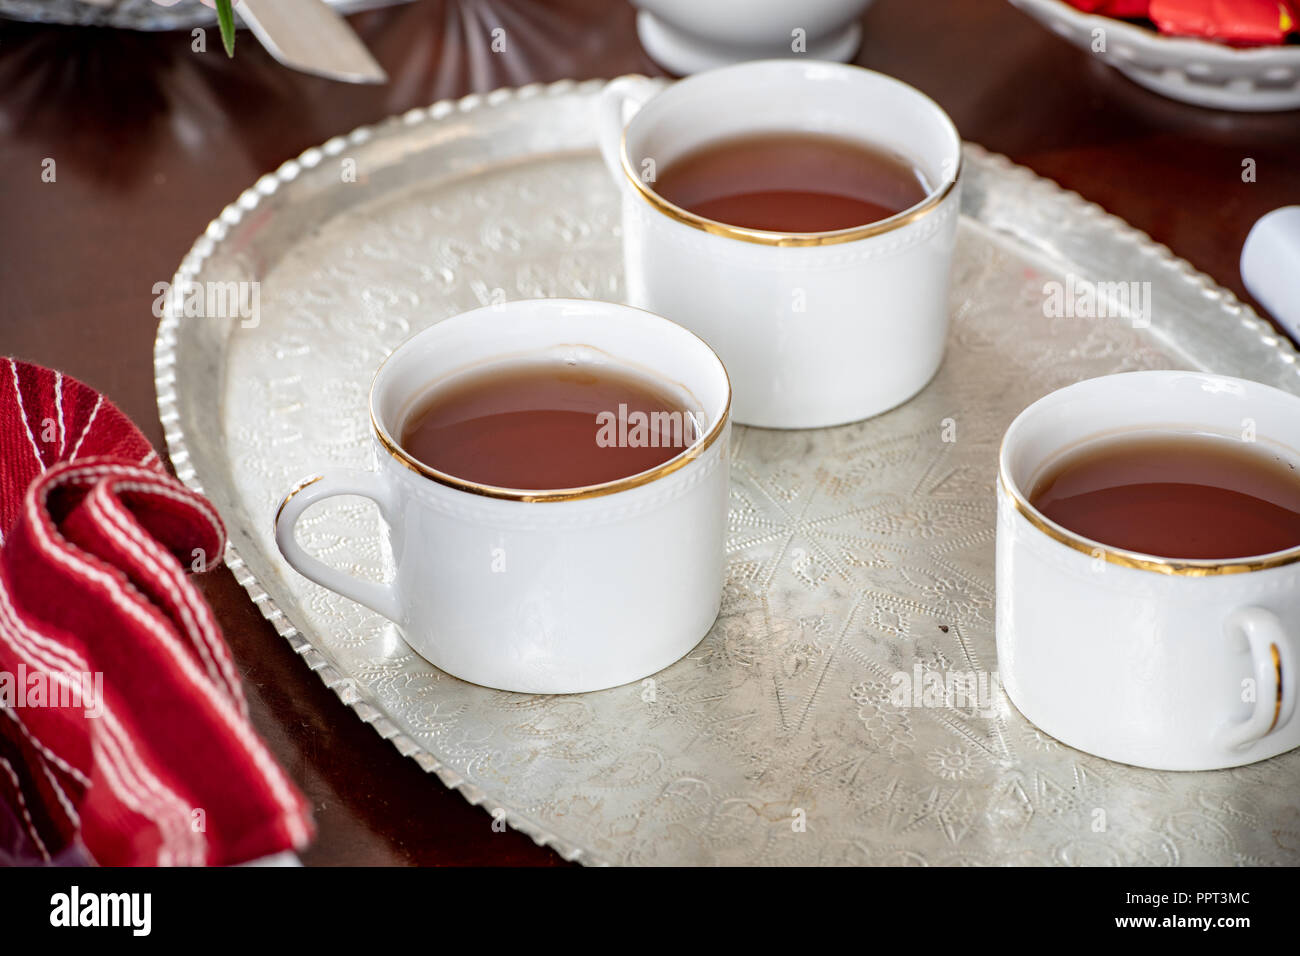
361, 703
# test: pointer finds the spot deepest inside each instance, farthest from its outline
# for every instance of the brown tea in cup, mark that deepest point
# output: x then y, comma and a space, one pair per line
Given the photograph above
1189, 496
792, 182
547, 425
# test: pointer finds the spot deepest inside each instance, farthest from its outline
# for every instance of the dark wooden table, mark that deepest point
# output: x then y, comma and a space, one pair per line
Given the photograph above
150, 140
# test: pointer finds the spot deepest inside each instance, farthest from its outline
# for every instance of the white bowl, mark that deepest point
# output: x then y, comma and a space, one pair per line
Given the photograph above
689, 36
1202, 72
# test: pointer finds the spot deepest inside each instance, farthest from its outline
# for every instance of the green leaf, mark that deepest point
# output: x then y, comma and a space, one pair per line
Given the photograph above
226, 17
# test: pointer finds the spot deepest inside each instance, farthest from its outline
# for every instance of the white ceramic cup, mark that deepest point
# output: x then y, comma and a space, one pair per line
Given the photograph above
688, 36
1270, 265
1172, 665
816, 329
555, 591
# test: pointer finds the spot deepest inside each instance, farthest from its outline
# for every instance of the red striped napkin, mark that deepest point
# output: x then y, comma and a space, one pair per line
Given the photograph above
123, 726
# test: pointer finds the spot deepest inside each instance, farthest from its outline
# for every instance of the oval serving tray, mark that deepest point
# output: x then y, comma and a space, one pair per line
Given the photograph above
857, 554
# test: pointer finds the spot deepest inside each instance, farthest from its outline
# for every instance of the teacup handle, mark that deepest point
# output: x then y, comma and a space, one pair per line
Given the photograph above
613, 113
1271, 650
377, 597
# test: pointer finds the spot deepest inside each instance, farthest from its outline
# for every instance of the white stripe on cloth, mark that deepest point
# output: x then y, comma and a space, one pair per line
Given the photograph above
108, 511
22, 413
22, 808
46, 758
58, 404
135, 785
45, 752
86, 430
145, 481
130, 602
151, 483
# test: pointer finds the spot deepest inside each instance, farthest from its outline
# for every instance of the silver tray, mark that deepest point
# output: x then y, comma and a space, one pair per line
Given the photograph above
856, 553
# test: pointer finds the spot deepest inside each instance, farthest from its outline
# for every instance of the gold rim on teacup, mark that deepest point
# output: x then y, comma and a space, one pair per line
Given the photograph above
683, 458
1192, 568
686, 456
787, 239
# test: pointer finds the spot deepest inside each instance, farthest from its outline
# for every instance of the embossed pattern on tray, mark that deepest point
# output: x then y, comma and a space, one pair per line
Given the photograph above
855, 553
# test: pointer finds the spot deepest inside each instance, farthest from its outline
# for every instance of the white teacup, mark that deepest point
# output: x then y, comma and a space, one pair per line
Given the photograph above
554, 591
1168, 664
816, 329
